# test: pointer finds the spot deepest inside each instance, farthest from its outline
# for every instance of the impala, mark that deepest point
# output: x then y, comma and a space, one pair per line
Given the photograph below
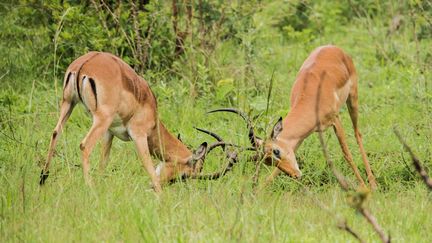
122, 105
326, 80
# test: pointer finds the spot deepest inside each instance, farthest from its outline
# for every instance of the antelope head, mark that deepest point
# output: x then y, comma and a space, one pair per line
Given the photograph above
192, 165
278, 152
274, 150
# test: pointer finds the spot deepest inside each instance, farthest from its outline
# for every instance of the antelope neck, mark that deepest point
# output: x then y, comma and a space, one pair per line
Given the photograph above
296, 127
166, 146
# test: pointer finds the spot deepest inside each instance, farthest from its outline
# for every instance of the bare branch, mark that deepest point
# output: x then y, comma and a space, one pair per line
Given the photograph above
147, 42
373, 221
101, 18
344, 226
419, 168
138, 39
179, 35
116, 20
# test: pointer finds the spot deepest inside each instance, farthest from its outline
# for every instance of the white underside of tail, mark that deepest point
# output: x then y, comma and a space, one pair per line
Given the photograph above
84, 90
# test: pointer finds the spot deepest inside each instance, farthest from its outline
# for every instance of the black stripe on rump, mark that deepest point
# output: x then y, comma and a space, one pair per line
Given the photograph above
78, 73
77, 85
67, 79
93, 86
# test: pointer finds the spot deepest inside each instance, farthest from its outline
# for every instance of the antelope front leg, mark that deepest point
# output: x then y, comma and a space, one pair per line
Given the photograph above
347, 154
99, 127
141, 143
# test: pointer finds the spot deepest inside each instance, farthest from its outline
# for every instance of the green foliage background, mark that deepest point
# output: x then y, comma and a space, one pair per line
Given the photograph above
231, 50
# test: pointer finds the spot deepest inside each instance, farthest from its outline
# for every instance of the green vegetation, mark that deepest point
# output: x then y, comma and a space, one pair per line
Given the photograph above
229, 55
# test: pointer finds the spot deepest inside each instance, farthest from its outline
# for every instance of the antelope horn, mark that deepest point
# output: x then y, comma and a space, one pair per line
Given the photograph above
254, 140
217, 137
232, 157
221, 142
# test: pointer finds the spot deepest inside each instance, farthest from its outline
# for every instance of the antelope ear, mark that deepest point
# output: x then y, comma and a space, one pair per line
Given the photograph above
277, 128
200, 152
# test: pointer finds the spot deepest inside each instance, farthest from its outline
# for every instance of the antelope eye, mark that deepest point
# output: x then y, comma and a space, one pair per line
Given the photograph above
276, 153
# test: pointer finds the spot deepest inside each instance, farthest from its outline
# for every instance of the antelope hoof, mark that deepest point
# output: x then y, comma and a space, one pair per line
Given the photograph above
43, 177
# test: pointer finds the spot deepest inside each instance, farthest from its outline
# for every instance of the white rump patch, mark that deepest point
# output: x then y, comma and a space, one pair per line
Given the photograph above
83, 92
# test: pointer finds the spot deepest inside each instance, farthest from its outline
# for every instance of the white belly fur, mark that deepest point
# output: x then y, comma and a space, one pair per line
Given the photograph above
119, 130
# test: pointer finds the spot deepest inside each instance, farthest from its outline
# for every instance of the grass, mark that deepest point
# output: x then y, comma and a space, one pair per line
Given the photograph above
121, 207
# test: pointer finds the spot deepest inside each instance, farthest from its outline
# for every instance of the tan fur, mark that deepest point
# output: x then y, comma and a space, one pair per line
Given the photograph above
328, 77
123, 106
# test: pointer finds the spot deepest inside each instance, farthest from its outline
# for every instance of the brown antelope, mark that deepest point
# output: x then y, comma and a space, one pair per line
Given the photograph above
326, 80
121, 104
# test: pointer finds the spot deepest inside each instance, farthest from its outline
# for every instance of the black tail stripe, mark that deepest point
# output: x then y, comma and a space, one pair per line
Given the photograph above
77, 85
78, 73
93, 86
67, 79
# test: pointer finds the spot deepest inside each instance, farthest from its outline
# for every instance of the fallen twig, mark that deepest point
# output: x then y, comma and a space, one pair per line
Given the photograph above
373, 221
344, 226
416, 162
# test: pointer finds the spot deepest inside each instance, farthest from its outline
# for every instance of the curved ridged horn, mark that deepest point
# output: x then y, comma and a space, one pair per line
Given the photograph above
217, 137
252, 137
231, 156
221, 142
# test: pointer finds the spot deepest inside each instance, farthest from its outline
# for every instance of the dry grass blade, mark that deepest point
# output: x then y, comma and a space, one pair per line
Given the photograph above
419, 168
